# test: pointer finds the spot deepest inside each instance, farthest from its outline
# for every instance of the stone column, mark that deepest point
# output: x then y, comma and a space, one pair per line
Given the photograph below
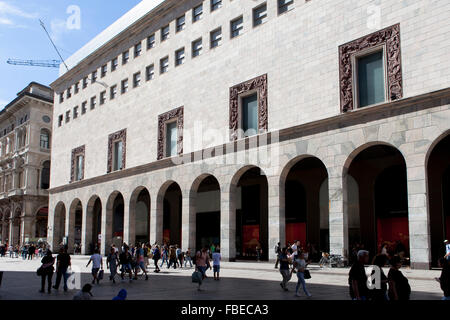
129, 222
70, 229
228, 222
85, 228
419, 224
106, 227
277, 220
338, 213
156, 216
189, 221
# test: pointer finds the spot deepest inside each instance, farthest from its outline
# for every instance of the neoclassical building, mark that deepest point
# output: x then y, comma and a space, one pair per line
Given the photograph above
25, 137
248, 123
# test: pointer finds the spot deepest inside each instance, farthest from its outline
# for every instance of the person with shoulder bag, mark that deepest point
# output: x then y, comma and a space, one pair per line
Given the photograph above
300, 264
46, 271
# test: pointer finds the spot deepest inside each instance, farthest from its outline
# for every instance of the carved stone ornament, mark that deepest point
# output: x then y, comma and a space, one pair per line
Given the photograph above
177, 114
390, 37
260, 85
113, 138
80, 151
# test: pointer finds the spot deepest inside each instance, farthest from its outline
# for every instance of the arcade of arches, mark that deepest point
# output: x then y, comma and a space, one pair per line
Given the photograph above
376, 206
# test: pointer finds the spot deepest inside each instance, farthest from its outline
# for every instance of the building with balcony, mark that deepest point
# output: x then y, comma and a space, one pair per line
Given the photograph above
25, 138
248, 123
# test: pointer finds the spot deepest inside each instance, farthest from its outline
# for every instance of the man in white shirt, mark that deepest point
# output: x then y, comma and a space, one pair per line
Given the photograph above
97, 264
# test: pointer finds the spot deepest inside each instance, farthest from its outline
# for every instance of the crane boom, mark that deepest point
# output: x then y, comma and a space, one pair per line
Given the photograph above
35, 63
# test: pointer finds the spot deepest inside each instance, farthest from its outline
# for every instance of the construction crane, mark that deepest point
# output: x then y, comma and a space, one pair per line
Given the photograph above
35, 63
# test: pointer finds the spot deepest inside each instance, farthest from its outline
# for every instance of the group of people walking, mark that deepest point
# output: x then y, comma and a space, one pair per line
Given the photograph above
27, 251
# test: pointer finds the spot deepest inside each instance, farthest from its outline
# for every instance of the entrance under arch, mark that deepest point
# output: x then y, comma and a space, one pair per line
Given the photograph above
438, 172
93, 225
41, 223
172, 215
380, 175
59, 226
76, 223
207, 210
306, 211
118, 220
252, 229
142, 217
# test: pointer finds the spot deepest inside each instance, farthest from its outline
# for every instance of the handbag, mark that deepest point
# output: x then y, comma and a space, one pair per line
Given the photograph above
197, 277
307, 274
40, 271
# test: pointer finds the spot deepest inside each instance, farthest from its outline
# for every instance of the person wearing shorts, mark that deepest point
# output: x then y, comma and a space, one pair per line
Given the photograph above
125, 263
140, 263
97, 264
216, 264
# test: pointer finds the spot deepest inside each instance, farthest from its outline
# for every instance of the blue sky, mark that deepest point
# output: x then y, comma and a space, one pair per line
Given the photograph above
21, 36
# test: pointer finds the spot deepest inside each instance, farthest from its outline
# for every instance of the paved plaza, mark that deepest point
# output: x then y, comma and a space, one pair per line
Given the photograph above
240, 281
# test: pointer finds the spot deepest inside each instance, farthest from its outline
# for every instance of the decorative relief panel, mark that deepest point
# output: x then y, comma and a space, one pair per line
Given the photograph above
113, 138
260, 85
80, 151
390, 37
177, 114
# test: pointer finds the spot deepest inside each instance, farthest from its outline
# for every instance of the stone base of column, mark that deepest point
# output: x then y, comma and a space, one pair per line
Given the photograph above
420, 265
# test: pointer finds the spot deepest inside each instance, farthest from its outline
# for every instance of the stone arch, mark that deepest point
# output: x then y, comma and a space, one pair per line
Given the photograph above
93, 225
75, 226
59, 225
169, 213
115, 215
139, 215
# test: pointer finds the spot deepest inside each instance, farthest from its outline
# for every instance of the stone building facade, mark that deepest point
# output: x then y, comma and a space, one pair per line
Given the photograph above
248, 123
25, 139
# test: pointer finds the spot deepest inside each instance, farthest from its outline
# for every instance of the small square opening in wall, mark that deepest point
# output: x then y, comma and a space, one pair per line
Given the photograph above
136, 79
165, 33
197, 47
114, 64
60, 120
151, 41
285, 6
216, 38
150, 72
164, 65
260, 15
236, 26
124, 86
84, 107
102, 97
181, 23
179, 57
113, 92
197, 13
104, 70
125, 57
138, 50
94, 77
215, 4
93, 102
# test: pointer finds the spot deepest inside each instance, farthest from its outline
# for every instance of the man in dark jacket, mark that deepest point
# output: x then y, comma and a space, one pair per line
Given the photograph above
444, 280
357, 278
62, 264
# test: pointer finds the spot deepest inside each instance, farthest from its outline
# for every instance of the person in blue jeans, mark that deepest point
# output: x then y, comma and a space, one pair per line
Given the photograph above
164, 257
300, 264
188, 258
62, 264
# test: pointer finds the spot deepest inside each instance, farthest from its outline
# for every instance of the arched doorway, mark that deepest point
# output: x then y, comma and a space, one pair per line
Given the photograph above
118, 220
306, 205
93, 225
438, 174
380, 175
59, 226
172, 206
41, 224
75, 226
252, 228
140, 215
205, 199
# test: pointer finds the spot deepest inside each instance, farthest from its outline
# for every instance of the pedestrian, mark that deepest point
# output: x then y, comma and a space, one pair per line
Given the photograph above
46, 271
84, 294
202, 260
172, 258
180, 256
156, 257
112, 261
97, 265
216, 264
31, 251
121, 296
399, 288
357, 279
277, 252
165, 256
125, 263
444, 279
258, 252
140, 263
380, 294
300, 264
447, 250
284, 269
62, 264
188, 258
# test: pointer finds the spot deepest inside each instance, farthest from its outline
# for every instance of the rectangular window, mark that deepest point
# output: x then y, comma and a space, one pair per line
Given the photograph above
75, 112
260, 15
164, 65
61, 97
83, 107
285, 5
114, 64
136, 80
137, 50
69, 93
250, 115
371, 83
125, 57
113, 92
102, 97
150, 72
171, 139
124, 88
151, 41
197, 13
60, 120
216, 37
179, 57
181, 23
104, 70
165, 33
77, 88
67, 116
197, 47
118, 148
215, 4
85, 82
236, 26
94, 77
93, 102
79, 168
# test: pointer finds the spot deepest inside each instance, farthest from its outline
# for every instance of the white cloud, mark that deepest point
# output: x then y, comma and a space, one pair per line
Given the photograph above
57, 27
9, 11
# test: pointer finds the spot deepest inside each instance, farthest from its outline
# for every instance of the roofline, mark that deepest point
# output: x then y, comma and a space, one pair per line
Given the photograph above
20, 97
121, 36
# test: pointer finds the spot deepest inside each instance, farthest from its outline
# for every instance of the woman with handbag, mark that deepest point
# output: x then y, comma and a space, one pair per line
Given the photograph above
46, 271
300, 264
